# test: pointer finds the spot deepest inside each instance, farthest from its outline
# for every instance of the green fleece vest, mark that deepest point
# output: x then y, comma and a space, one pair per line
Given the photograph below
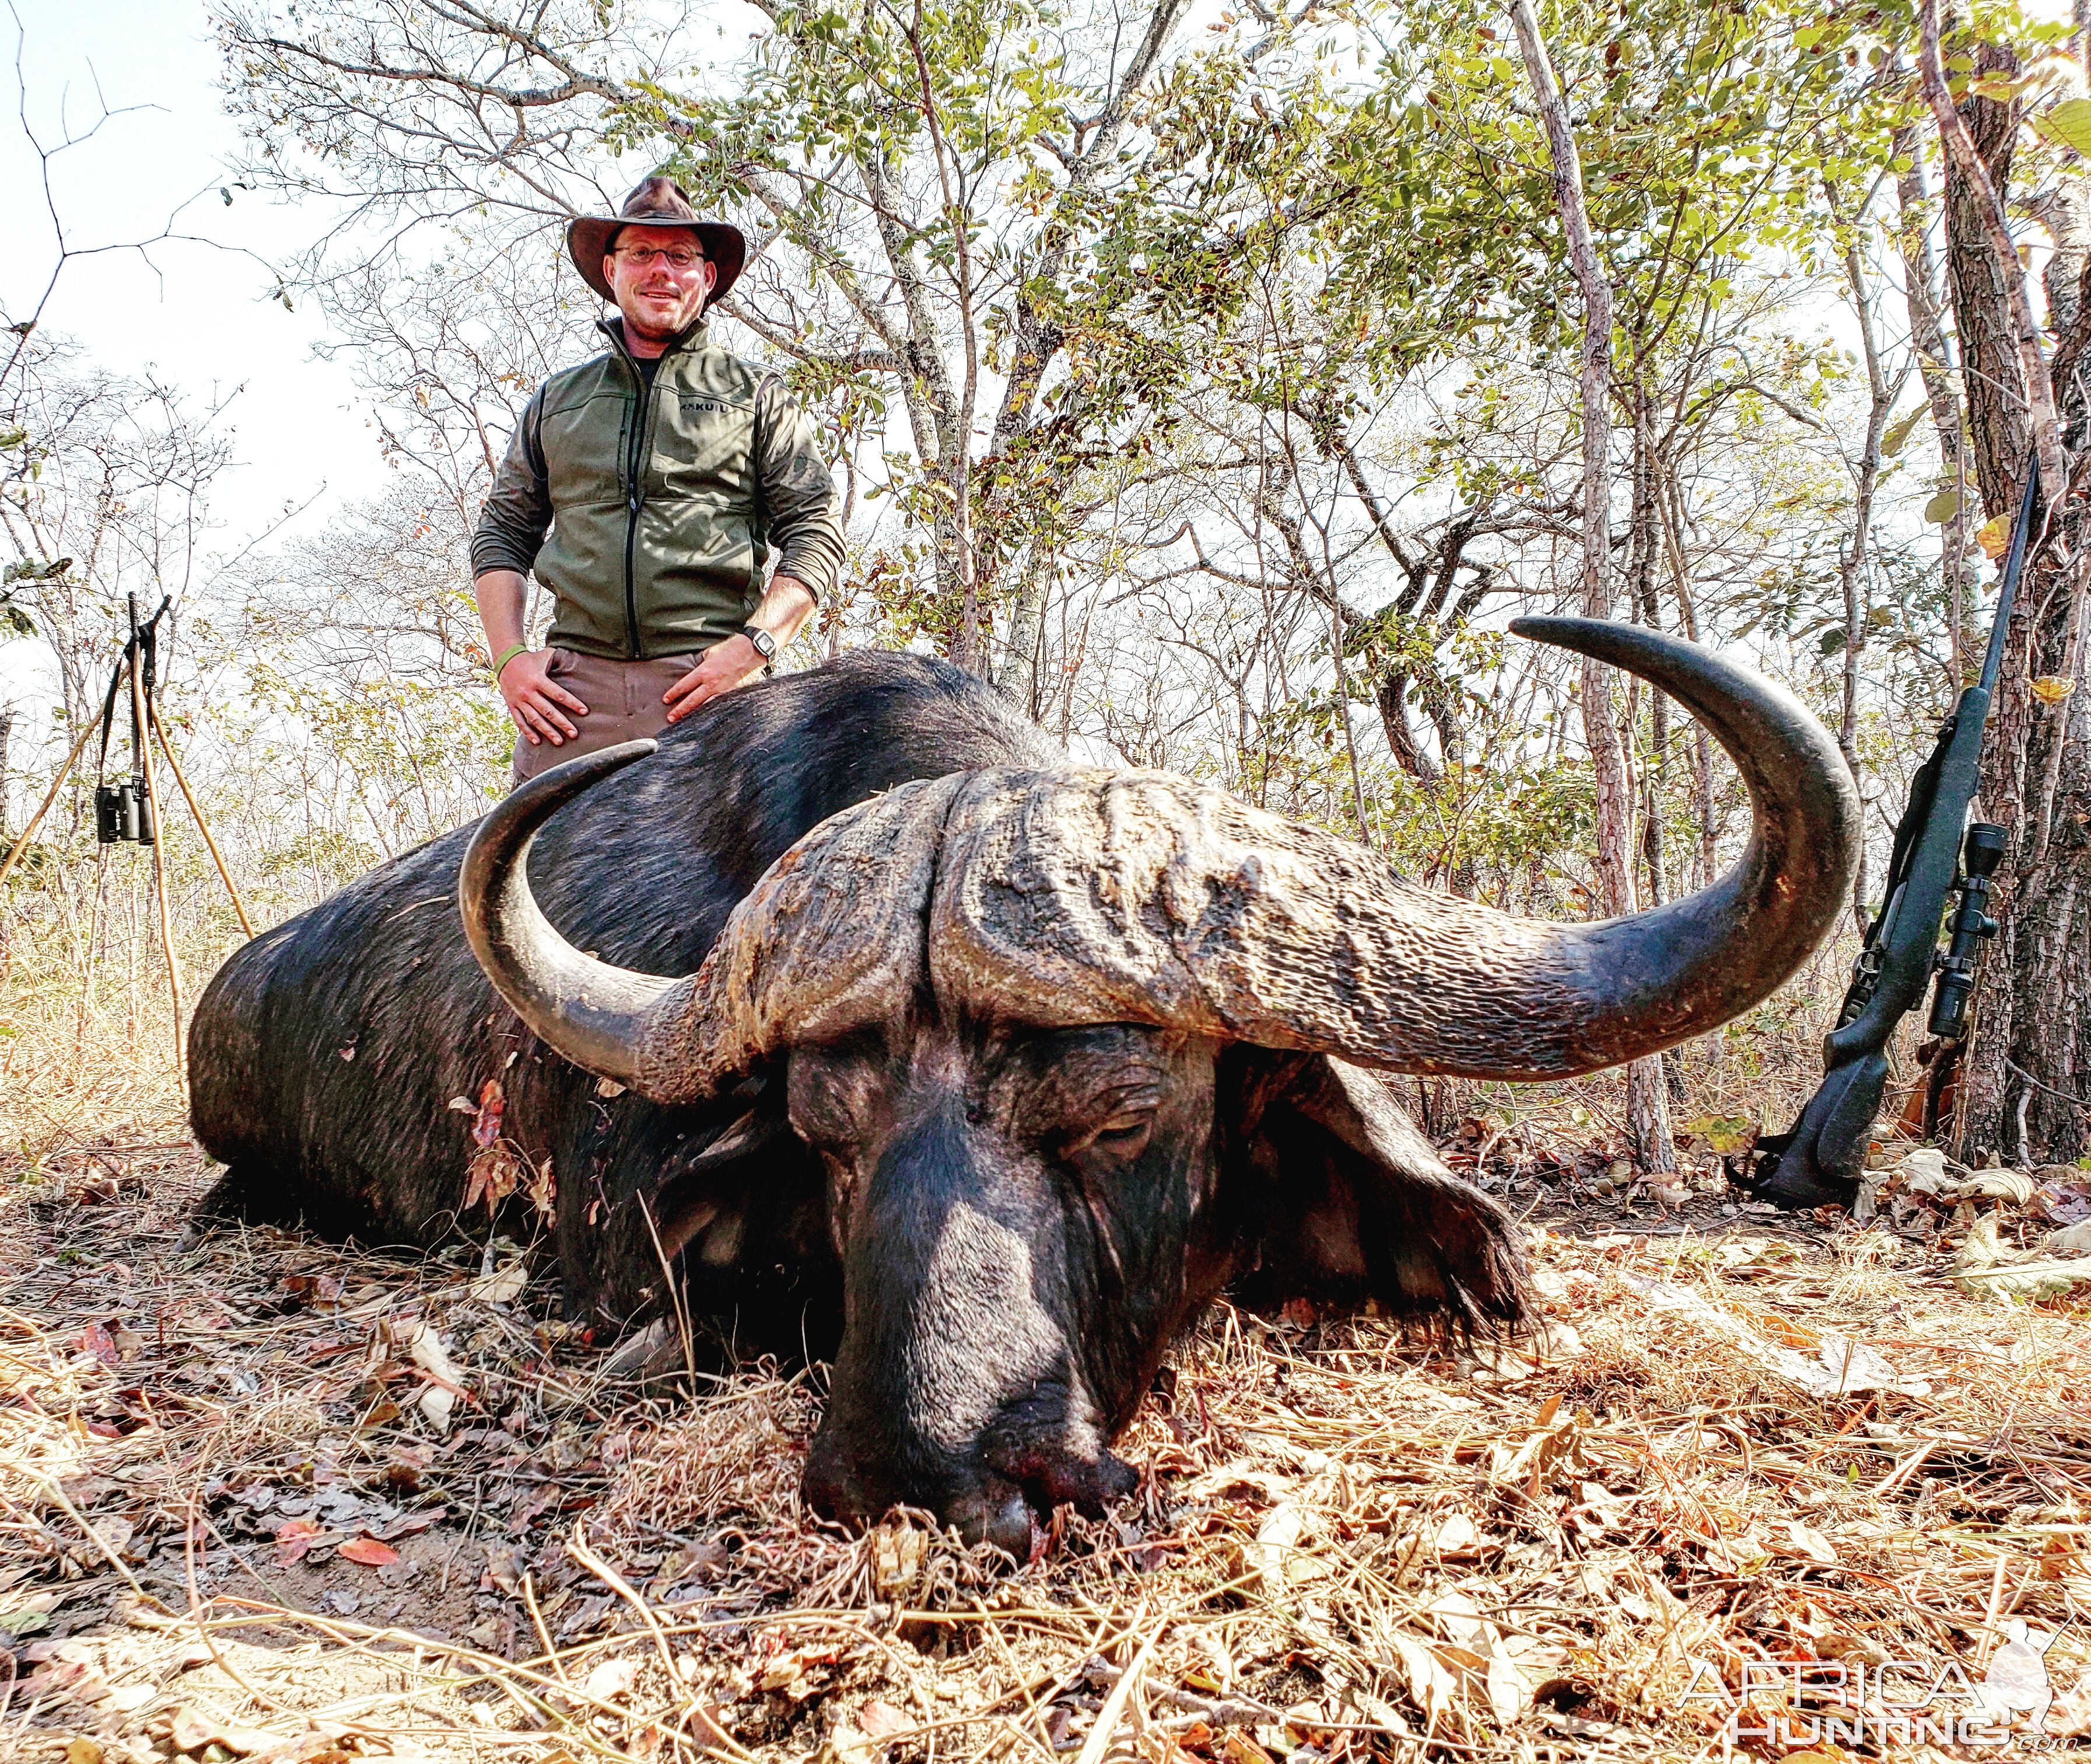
658, 542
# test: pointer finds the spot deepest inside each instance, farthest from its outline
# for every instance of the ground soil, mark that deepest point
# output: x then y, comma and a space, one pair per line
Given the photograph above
239, 1520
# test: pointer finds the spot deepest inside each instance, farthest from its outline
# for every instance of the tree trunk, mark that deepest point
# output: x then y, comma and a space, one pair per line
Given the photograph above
1647, 1104
1702, 743
6, 736
1938, 363
1390, 698
1655, 776
2028, 1067
1019, 675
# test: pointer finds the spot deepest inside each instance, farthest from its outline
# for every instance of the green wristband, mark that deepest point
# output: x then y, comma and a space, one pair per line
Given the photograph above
505, 657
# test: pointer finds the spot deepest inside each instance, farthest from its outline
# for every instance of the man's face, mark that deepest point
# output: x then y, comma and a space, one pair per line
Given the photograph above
660, 277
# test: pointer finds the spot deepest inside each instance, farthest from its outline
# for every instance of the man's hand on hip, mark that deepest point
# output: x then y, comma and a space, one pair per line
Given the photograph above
538, 703
785, 605
719, 670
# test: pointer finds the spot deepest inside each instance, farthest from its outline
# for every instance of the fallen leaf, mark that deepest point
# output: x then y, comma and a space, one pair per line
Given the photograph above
192, 1730
321, 1291
1509, 1691
789, 1672
849, 1744
82, 1751
97, 1341
881, 1720
294, 1537
1429, 1681
708, 1728
1459, 1536
1809, 1545
610, 1680
494, 1173
1551, 1448
486, 1124
368, 1552
1821, 1362
424, 1347
501, 1287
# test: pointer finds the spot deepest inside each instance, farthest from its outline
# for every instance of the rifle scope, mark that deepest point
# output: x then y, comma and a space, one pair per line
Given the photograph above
1969, 925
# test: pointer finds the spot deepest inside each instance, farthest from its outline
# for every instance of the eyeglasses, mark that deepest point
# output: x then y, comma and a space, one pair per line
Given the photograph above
677, 257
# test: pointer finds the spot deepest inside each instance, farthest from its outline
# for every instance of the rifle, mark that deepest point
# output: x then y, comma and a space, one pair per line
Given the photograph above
1819, 1162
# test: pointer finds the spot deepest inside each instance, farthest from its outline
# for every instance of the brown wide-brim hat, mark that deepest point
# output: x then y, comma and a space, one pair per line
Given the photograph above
657, 202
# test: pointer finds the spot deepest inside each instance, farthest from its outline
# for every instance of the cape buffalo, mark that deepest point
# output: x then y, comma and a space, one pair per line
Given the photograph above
993, 1079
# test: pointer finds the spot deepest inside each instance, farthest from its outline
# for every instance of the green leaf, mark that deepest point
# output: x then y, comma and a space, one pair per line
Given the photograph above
1943, 507
1999, 86
1894, 440
1831, 642
1724, 1133
2068, 122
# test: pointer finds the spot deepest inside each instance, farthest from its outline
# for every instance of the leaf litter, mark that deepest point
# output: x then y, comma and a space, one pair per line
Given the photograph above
238, 1525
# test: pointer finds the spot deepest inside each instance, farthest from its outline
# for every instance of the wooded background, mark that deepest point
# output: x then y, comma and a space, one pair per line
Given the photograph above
1218, 382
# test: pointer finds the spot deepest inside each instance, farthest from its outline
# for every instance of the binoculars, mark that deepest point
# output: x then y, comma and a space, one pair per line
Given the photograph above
123, 811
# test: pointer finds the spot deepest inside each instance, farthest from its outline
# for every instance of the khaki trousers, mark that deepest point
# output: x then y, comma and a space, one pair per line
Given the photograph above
623, 701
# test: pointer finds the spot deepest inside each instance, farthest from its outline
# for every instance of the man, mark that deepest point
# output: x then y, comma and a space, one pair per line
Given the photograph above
648, 488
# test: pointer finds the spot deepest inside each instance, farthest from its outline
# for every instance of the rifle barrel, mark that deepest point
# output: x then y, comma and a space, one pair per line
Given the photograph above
2008, 589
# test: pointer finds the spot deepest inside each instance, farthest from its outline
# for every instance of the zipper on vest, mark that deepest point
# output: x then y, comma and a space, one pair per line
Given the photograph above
634, 498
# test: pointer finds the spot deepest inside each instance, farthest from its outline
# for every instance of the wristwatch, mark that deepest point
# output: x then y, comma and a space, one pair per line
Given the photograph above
765, 646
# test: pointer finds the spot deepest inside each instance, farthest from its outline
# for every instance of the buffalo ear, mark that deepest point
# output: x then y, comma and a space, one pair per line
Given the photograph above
1345, 1201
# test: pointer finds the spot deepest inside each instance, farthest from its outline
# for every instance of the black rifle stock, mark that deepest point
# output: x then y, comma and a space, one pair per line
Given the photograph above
1819, 1161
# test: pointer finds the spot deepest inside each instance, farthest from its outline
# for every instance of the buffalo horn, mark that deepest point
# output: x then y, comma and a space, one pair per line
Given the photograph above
591, 1013
1067, 897
1147, 897
830, 938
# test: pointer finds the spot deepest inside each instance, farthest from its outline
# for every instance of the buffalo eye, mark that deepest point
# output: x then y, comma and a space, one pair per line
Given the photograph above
1121, 1136
835, 1098
1127, 1137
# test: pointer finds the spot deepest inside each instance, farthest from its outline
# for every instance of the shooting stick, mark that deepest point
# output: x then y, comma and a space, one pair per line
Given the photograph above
43, 808
203, 826
142, 727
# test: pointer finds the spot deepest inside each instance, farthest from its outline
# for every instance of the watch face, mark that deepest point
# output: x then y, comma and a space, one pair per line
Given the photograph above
766, 646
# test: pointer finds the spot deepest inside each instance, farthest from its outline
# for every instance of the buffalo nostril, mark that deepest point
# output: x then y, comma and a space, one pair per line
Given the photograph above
1013, 1528
997, 1513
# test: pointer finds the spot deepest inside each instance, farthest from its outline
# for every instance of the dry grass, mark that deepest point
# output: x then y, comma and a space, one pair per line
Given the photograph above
1342, 1547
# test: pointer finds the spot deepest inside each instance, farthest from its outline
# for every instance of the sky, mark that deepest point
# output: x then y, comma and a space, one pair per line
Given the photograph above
198, 314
